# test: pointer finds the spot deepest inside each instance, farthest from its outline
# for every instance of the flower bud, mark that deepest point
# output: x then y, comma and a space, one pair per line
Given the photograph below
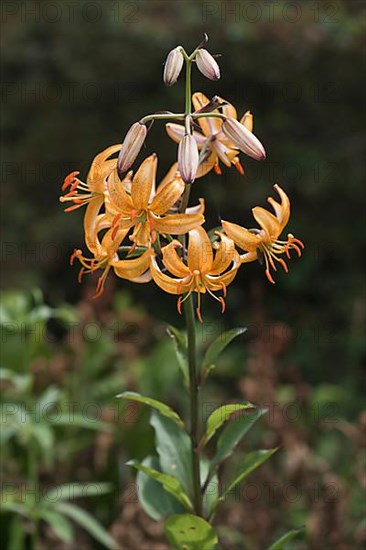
207, 65
131, 146
173, 66
243, 139
188, 158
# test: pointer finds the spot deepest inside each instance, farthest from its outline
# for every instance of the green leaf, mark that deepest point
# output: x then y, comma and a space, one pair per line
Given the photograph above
76, 490
171, 484
232, 434
49, 397
211, 494
156, 502
280, 544
180, 345
174, 449
75, 419
217, 347
17, 533
88, 522
251, 462
219, 417
158, 405
61, 526
44, 435
189, 532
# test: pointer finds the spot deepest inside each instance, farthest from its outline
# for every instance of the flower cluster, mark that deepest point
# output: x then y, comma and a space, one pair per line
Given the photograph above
146, 232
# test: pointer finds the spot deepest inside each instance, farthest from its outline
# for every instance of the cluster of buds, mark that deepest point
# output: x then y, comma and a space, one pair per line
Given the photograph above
143, 232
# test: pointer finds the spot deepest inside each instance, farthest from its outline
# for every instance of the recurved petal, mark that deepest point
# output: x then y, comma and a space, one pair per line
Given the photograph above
198, 209
248, 257
224, 255
225, 154
207, 165
101, 167
117, 200
130, 269
247, 120
145, 278
173, 262
177, 224
218, 282
93, 223
242, 237
176, 132
144, 182
171, 173
209, 125
167, 196
268, 222
168, 284
200, 255
228, 109
282, 210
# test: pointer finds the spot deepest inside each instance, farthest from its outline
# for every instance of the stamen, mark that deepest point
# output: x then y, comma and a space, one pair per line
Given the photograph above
69, 180
217, 169
238, 166
80, 274
269, 277
223, 304
179, 305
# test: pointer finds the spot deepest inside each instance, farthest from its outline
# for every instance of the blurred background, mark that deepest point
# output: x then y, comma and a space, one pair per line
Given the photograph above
75, 76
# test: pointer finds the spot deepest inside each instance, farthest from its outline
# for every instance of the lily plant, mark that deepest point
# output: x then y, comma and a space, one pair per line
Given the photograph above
144, 234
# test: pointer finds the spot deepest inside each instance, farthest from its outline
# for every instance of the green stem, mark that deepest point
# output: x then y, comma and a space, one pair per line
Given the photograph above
194, 403
191, 335
33, 480
162, 116
188, 102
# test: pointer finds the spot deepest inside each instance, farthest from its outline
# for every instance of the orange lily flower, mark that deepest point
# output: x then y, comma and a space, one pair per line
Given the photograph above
81, 193
106, 257
264, 242
213, 140
146, 210
203, 271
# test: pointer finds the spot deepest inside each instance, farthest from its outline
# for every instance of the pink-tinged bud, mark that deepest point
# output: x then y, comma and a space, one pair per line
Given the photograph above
188, 158
207, 65
131, 146
243, 139
173, 66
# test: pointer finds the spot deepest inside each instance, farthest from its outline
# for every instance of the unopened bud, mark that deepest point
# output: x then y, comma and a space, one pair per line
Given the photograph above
131, 146
207, 65
243, 139
173, 66
188, 158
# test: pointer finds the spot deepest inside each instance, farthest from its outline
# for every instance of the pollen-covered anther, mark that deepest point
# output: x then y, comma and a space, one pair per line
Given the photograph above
76, 254
69, 180
217, 169
238, 166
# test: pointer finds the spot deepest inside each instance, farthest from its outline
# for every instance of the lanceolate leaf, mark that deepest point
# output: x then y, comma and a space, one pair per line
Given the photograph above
156, 502
219, 417
251, 462
218, 346
171, 484
158, 405
61, 525
88, 522
69, 491
281, 543
174, 449
189, 532
232, 435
